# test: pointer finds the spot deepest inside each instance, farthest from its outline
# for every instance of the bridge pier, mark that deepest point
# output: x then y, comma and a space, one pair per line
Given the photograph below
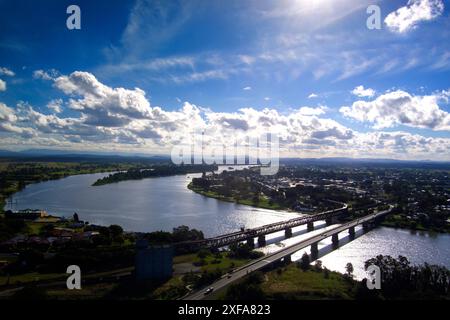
329, 221
251, 242
366, 227
335, 239
261, 241
314, 251
310, 226
351, 232
288, 232
287, 259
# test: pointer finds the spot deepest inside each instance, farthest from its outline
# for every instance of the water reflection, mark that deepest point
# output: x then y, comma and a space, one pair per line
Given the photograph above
164, 203
143, 205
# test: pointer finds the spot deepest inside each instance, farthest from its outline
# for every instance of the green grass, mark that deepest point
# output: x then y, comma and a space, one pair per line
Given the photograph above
87, 292
262, 203
224, 263
31, 277
293, 283
184, 258
34, 228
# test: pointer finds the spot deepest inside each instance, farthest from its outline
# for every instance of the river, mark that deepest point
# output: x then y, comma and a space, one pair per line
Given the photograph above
164, 203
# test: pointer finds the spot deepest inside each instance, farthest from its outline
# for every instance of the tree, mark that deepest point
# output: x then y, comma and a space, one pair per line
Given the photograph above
304, 262
318, 265
203, 253
349, 269
249, 289
115, 230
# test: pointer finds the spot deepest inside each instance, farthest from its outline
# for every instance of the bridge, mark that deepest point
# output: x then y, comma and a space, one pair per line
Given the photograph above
285, 253
249, 235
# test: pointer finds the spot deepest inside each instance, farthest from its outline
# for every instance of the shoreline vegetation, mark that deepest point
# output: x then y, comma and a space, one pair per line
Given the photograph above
15, 176
154, 171
113, 248
391, 222
262, 203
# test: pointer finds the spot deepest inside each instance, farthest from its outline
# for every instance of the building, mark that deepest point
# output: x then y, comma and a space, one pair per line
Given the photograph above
27, 214
153, 262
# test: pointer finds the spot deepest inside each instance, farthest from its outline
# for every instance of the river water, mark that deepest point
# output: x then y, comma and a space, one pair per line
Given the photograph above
164, 203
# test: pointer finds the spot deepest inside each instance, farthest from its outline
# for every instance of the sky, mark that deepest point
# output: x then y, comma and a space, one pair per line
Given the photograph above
140, 76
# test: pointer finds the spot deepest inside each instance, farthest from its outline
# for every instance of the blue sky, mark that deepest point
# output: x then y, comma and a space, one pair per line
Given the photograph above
312, 69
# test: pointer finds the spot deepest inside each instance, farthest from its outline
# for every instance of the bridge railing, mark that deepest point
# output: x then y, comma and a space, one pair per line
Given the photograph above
227, 239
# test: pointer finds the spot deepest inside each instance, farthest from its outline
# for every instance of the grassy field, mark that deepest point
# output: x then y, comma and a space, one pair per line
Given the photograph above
293, 283
262, 203
31, 277
211, 262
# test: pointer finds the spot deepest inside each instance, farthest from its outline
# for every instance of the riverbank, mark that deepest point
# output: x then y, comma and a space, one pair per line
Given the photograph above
398, 221
262, 203
15, 176
393, 221
154, 171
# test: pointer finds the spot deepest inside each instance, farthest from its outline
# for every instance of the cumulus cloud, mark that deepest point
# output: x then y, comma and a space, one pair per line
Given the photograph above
103, 105
8, 120
400, 108
48, 75
107, 118
6, 72
360, 91
247, 88
55, 105
312, 96
415, 11
308, 111
2, 85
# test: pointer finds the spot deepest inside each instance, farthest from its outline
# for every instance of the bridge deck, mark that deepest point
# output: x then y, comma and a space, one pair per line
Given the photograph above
288, 251
230, 238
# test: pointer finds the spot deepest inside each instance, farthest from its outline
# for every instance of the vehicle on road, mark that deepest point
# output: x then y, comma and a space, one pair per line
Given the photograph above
209, 290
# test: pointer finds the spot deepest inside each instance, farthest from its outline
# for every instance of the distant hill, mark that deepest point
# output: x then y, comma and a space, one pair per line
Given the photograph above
79, 156
66, 156
365, 162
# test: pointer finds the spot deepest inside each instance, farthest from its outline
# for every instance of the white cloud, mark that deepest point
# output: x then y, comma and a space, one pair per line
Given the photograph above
6, 72
105, 118
266, 98
247, 88
102, 105
408, 17
55, 105
312, 96
360, 91
51, 74
8, 122
308, 111
400, 108
2, 85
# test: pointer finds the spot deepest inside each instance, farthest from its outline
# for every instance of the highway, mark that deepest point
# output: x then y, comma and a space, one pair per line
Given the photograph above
271, 258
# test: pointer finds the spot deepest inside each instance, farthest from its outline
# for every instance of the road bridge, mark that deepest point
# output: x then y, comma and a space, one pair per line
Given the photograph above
249, 235
285, 253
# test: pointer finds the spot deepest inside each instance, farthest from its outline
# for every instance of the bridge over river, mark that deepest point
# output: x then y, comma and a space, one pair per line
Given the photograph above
286, 253
249, 235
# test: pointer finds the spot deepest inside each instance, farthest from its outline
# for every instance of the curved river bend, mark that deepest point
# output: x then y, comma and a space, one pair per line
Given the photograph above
164, 203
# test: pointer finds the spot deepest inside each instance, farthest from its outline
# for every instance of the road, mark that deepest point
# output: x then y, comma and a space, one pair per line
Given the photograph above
271, 258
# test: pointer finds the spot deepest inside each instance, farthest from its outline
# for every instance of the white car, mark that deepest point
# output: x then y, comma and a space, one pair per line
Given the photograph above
209, 290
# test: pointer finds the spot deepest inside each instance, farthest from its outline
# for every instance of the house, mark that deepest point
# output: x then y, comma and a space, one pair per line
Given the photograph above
26, 214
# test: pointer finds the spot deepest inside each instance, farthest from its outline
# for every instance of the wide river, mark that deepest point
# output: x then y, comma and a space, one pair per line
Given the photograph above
164, 203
